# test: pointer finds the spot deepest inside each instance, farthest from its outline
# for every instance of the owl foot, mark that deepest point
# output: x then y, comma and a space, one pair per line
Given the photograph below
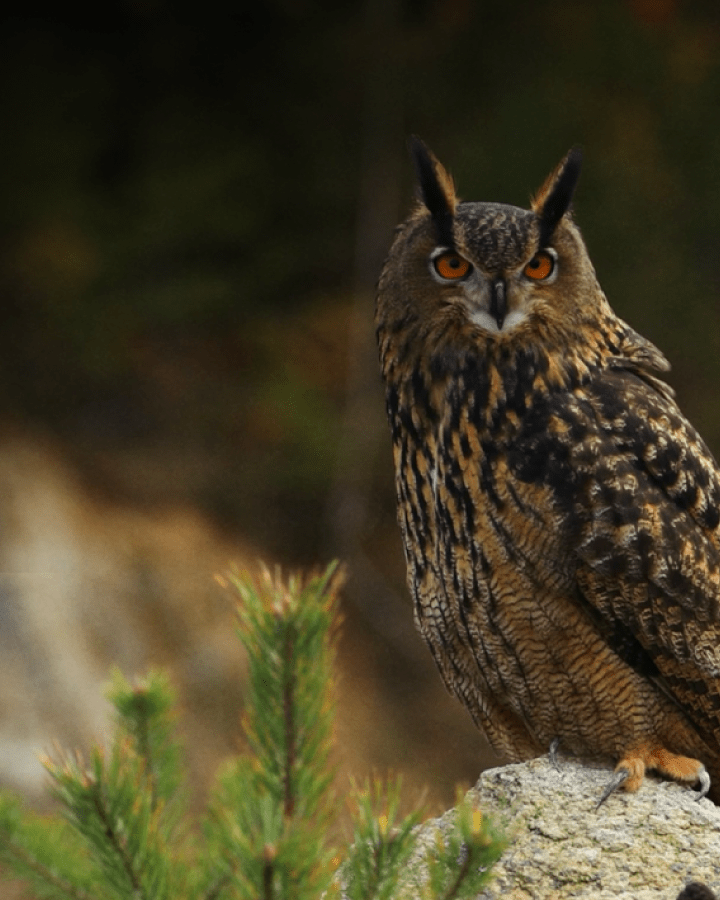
630, 771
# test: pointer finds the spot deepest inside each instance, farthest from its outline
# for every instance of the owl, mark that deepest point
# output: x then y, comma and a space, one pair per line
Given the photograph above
559, 513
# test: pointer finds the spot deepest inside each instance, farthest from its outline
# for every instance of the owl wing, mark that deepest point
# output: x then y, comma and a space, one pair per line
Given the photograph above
644, 529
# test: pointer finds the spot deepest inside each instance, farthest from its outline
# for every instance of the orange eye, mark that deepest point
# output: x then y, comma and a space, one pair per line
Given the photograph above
451, 266
540, 267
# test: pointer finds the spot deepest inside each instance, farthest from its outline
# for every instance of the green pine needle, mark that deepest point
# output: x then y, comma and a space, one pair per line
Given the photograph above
145, 714
382, 843
460, 866
46, 853
272, 812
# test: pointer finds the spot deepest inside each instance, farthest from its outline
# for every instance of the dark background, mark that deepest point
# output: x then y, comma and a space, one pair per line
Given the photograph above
196, 205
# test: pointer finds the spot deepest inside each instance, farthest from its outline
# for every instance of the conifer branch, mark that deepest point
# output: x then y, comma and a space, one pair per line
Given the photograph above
268, 871
46, 874
220, 883
289, 720
454, 889
144, 747
462, 861
116, 843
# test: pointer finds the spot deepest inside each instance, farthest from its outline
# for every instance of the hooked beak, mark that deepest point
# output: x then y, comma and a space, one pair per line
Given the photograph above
498, 302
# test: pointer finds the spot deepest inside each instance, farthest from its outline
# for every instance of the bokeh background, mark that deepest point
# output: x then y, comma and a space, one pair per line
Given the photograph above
195, 207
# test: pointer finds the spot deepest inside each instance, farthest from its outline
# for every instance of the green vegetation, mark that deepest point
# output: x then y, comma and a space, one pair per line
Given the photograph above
267, 833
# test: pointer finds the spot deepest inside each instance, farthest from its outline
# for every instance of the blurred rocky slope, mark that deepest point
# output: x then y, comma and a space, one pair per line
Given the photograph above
87, 585
90, 583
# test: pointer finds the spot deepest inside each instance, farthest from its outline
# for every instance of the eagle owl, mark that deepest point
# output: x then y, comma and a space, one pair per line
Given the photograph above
559, 513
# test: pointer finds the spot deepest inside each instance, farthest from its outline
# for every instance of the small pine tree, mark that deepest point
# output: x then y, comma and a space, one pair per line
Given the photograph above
125, 831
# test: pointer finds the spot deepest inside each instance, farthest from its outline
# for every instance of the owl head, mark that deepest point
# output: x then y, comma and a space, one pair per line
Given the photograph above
464, 271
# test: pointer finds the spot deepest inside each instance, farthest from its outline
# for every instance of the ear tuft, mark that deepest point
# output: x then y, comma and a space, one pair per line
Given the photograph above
555, 196
436, 189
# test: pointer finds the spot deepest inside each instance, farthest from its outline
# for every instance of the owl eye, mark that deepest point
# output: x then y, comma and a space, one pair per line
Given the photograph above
540, 267
451, 266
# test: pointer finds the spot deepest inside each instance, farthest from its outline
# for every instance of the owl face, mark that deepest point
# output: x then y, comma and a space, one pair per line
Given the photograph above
499, 269
495, 270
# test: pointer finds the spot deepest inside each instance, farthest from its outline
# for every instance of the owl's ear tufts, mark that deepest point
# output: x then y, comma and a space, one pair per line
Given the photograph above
436, 189
555, 196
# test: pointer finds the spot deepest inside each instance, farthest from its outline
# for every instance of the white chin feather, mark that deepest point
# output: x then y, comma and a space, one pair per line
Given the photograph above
483, 318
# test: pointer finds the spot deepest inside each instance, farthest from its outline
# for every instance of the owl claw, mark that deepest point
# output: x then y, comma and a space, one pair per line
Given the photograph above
552, 754
620, 776
704, 780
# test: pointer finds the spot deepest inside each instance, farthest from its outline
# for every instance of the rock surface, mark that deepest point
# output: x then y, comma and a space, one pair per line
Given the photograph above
645, 846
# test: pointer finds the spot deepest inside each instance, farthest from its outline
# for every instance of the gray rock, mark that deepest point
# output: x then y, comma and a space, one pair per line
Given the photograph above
645, 846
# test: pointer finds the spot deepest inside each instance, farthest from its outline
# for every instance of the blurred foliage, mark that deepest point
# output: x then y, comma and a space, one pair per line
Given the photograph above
183, 189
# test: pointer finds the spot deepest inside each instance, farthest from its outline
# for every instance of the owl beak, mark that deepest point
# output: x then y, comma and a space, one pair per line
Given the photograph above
498, 302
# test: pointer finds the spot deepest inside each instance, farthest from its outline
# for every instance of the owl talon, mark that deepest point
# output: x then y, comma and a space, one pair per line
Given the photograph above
704, 780
552, 754
620, 776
